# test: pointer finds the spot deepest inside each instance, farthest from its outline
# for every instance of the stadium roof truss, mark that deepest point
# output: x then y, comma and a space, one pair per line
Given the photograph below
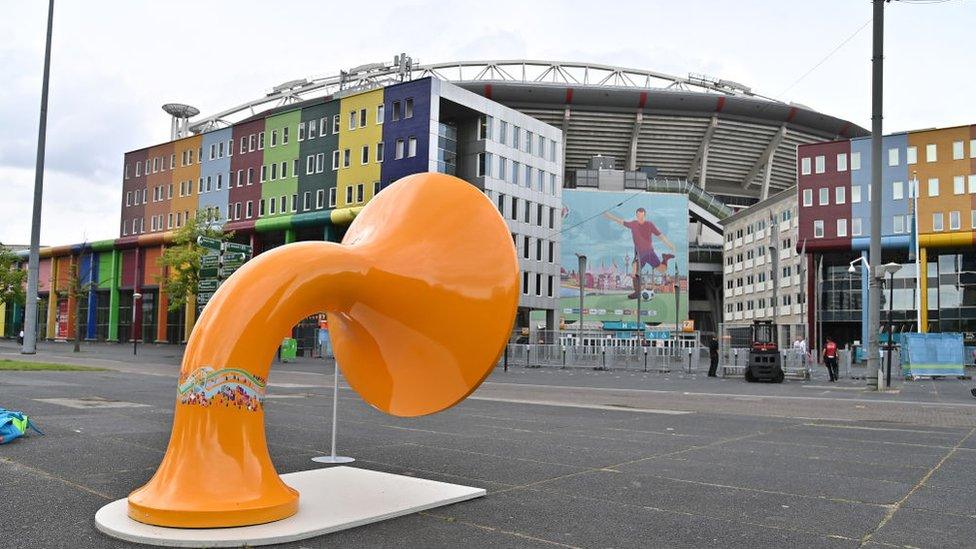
717, 133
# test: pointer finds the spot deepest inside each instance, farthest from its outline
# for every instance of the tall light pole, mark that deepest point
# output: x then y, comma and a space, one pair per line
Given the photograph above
582, 283
30, 314
136, 303
874, 254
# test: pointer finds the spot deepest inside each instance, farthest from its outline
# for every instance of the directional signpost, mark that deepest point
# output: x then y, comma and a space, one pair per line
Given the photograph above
217, 264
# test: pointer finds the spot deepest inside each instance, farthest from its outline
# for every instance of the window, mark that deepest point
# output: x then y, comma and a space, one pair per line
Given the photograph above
360, 190
399, 149
514, 211
820, 164
240, 178
294, 202
365, 155
264, 173
332, 197
542, 146
408, 108
893, 157
379, 152
411, 147
808, 197
310, 164
396, 111
379, 114
139, 169
301, 132
261, 208
272, 206
251, 143
335, 124
349, 195
516, 134
972, 184
538, 284
213, 155
516, 172
260, 141
249, 210
898, 224
972, 148
502, 131
842, 162
959, 184
911, 155
484, 127
824, 196
282, 205
972, 223
954, 220
274, 138
552, 251
335, 160
818, 228
839, 195
934, 187
284, 170
284, 135
958, 150
855, 161
319, 199
352, 120
897, 190
319, 162
937, 222
250, 176
482, 165
856, 226
345, 158
274, 171
376, 188
323, 129
930, 153
527, 247
362, 118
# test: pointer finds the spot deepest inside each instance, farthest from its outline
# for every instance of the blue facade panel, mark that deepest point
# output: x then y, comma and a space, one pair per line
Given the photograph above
418, 126
215, 172
890, 174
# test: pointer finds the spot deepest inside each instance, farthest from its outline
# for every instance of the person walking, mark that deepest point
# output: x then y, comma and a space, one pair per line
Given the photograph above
20, 337
713, 357
830, 359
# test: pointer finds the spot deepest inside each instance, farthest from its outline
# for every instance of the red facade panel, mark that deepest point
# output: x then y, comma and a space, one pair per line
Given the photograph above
814, 184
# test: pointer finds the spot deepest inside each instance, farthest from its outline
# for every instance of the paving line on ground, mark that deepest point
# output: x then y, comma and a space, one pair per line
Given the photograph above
736, 395
605, 407
898, 504
485, 527
52, 476
865, 428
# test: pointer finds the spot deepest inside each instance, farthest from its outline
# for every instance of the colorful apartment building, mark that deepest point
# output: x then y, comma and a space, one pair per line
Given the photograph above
833, 194
302, 172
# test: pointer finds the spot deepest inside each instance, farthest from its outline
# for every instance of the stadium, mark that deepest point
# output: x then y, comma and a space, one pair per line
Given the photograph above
718, 134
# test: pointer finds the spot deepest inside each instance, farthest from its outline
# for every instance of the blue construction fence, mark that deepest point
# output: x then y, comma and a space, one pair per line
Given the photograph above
942, 354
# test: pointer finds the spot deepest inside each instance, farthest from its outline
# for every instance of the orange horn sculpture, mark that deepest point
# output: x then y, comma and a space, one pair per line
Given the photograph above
421, 297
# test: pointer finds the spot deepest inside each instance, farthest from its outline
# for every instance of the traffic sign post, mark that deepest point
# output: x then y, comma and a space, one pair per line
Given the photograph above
217, 264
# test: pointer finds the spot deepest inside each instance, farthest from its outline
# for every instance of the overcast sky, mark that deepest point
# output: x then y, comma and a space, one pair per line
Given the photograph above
115, 62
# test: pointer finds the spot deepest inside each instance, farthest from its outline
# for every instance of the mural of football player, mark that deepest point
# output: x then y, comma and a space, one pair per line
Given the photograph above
642, 230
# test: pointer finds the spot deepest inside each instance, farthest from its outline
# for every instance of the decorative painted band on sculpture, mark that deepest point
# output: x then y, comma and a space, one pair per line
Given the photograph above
225, 387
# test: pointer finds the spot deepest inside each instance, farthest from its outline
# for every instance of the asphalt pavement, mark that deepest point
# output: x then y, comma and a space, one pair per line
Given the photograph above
570, 458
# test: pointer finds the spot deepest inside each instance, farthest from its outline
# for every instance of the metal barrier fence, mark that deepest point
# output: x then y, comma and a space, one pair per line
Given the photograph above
650, 359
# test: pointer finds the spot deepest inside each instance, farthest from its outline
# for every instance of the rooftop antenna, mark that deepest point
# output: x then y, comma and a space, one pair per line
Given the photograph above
180, 124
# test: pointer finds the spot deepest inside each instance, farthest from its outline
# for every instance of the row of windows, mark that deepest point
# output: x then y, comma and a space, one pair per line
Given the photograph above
550, 284
256, 141
961, 184
757, 252
894, 157
761, 303
517, 138
516, 173
526, 210
545, 250
784, 217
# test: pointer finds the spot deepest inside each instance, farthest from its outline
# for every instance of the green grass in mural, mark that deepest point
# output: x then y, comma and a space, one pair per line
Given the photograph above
661, 307
20, 365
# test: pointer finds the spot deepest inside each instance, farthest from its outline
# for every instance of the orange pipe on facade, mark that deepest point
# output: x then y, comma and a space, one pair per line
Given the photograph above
421, 297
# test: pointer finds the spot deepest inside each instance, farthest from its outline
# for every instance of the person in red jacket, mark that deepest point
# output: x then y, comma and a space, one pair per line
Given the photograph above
830, 358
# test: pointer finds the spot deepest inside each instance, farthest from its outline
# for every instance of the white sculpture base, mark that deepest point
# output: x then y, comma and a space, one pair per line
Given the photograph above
332, 499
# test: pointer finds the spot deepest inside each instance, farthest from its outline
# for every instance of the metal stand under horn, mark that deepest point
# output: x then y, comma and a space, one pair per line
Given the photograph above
333, 458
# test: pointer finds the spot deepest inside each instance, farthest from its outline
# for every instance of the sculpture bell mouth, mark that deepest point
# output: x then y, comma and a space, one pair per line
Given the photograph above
421, 297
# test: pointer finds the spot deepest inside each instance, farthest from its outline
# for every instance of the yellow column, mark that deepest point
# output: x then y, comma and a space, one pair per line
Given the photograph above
3, 317
51, 326
923, 299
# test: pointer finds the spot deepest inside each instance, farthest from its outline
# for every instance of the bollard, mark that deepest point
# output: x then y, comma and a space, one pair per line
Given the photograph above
689, 361
645, 360
506, 357
564, 356
527, 356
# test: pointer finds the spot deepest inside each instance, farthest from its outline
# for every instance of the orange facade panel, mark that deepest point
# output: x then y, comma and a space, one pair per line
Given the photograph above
942, 167
151, 269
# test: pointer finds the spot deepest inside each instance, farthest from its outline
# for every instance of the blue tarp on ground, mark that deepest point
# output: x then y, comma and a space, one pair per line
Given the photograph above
932, 355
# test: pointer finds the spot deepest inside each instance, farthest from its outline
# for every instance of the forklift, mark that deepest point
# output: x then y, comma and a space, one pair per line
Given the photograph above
765, 362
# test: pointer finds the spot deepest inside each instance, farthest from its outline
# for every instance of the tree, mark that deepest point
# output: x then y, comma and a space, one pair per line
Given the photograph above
12, 278
75, 292
181, 259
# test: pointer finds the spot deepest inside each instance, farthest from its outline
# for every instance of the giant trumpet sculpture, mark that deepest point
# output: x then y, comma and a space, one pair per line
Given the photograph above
421, 295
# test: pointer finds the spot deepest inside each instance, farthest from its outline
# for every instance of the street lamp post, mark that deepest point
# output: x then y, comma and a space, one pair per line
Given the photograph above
640, 286
581, 273
136, 302
677, 307
891, 269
